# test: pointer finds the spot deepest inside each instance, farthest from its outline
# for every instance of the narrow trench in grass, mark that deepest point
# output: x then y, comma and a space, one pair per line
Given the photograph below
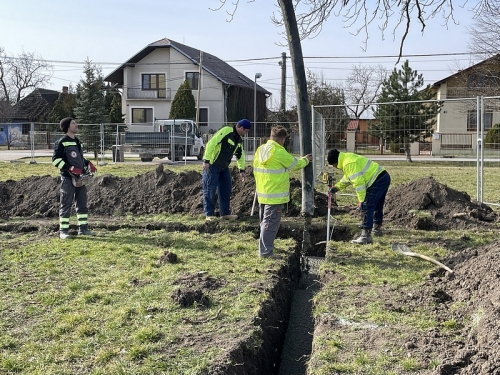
298, 339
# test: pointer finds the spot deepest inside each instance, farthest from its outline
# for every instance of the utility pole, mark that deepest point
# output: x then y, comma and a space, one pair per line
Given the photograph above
199, 89
283, 82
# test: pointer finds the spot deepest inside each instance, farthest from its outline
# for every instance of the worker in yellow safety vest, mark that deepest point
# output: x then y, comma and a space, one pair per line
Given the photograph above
370, 182
271, 167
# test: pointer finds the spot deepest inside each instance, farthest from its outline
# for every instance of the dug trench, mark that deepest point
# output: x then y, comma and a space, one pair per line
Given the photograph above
286, 318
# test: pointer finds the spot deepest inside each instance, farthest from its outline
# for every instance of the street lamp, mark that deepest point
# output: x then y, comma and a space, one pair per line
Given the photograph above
257, 75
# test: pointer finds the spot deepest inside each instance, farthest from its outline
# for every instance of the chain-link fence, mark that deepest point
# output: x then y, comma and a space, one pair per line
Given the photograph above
446, 133
120, 143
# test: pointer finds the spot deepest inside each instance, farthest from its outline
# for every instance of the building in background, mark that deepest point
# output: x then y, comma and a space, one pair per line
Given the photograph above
151, 77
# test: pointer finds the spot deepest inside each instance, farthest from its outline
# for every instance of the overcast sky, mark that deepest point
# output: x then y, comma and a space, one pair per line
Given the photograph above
109, 32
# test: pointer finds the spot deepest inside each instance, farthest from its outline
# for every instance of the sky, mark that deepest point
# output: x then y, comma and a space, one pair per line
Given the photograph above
109, 32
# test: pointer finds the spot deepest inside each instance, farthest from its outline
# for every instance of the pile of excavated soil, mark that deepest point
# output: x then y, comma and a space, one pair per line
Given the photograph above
428, 205
465, 305
421, 204
155, 192
470, 298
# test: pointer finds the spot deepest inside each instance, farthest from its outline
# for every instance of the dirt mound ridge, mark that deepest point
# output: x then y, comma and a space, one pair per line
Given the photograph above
428, 205
155, 192
470, 298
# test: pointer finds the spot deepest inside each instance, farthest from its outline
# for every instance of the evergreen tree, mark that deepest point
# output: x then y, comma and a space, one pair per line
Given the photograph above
91, 107
64, 106
113, 100
115, 111
405, 118
492, 139
183, 105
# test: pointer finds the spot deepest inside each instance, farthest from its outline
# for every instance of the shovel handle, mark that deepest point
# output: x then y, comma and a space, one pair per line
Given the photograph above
432, 260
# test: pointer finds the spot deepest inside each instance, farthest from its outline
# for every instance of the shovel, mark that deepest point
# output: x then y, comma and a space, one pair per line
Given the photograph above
405, 250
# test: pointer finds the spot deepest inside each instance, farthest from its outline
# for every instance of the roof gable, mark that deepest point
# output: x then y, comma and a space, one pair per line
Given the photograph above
35, 106
221, 70
471, 69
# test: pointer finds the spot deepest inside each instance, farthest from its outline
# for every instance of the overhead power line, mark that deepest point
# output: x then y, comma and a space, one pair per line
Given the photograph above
272, 58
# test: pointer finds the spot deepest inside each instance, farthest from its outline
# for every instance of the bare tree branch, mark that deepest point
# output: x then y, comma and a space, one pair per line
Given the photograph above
310, 20
485, 32
232, 12
22, 74
362, 87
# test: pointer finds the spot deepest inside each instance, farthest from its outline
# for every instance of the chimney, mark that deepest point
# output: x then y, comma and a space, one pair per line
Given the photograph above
65, 90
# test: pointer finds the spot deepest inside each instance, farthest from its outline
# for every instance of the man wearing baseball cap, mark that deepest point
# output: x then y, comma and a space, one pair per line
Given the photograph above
216, 176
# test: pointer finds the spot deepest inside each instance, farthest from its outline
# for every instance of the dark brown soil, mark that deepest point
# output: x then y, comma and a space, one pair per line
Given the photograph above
428, 205
159, 191
473, 289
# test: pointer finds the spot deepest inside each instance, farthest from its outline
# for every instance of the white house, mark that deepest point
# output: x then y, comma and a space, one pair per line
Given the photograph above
456, 126
151, 78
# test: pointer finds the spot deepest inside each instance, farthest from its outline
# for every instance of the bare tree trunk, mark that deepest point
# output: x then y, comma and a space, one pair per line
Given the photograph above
303, 111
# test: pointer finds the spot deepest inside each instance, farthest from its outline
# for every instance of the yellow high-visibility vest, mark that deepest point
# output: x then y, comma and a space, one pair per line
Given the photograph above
271, 168
359, 171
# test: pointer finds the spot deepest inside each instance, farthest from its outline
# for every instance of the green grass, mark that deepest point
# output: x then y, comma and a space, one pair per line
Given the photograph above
103, 305
368, 281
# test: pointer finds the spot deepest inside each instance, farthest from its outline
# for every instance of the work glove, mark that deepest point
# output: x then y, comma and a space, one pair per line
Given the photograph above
333, 190
92, 168
75, 171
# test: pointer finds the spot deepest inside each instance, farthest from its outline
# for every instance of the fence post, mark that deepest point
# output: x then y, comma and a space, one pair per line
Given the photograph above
32, 140
101, 140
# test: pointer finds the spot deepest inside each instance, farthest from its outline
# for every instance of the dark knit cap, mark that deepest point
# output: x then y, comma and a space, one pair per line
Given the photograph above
333, 156
65, 123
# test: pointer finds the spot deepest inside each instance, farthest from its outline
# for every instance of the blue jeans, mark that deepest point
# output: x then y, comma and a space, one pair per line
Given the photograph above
216, 179
372, 209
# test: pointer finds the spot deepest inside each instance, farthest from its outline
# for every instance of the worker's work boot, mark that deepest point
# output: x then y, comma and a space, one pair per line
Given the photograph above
83, 230
364, 238
63, 234
377, 230
229, 217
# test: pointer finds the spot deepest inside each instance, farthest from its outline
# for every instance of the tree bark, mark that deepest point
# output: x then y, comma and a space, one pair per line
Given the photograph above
303, 107
303, 112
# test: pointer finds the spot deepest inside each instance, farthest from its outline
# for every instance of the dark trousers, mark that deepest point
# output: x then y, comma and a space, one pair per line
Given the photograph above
372, 209
68, 194
216, 180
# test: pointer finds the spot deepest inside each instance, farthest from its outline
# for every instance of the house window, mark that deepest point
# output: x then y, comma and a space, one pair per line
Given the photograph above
472, 120
155, 82
142, 115
192, 78
203, 117
26, 128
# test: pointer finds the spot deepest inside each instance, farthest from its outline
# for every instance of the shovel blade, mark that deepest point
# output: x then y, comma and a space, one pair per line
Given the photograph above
400, 248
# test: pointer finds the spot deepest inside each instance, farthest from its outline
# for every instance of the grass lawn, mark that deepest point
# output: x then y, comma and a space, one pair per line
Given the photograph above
109, 304
105, 305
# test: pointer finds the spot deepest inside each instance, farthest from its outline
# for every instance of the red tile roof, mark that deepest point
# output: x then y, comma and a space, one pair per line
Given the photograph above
353, 125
